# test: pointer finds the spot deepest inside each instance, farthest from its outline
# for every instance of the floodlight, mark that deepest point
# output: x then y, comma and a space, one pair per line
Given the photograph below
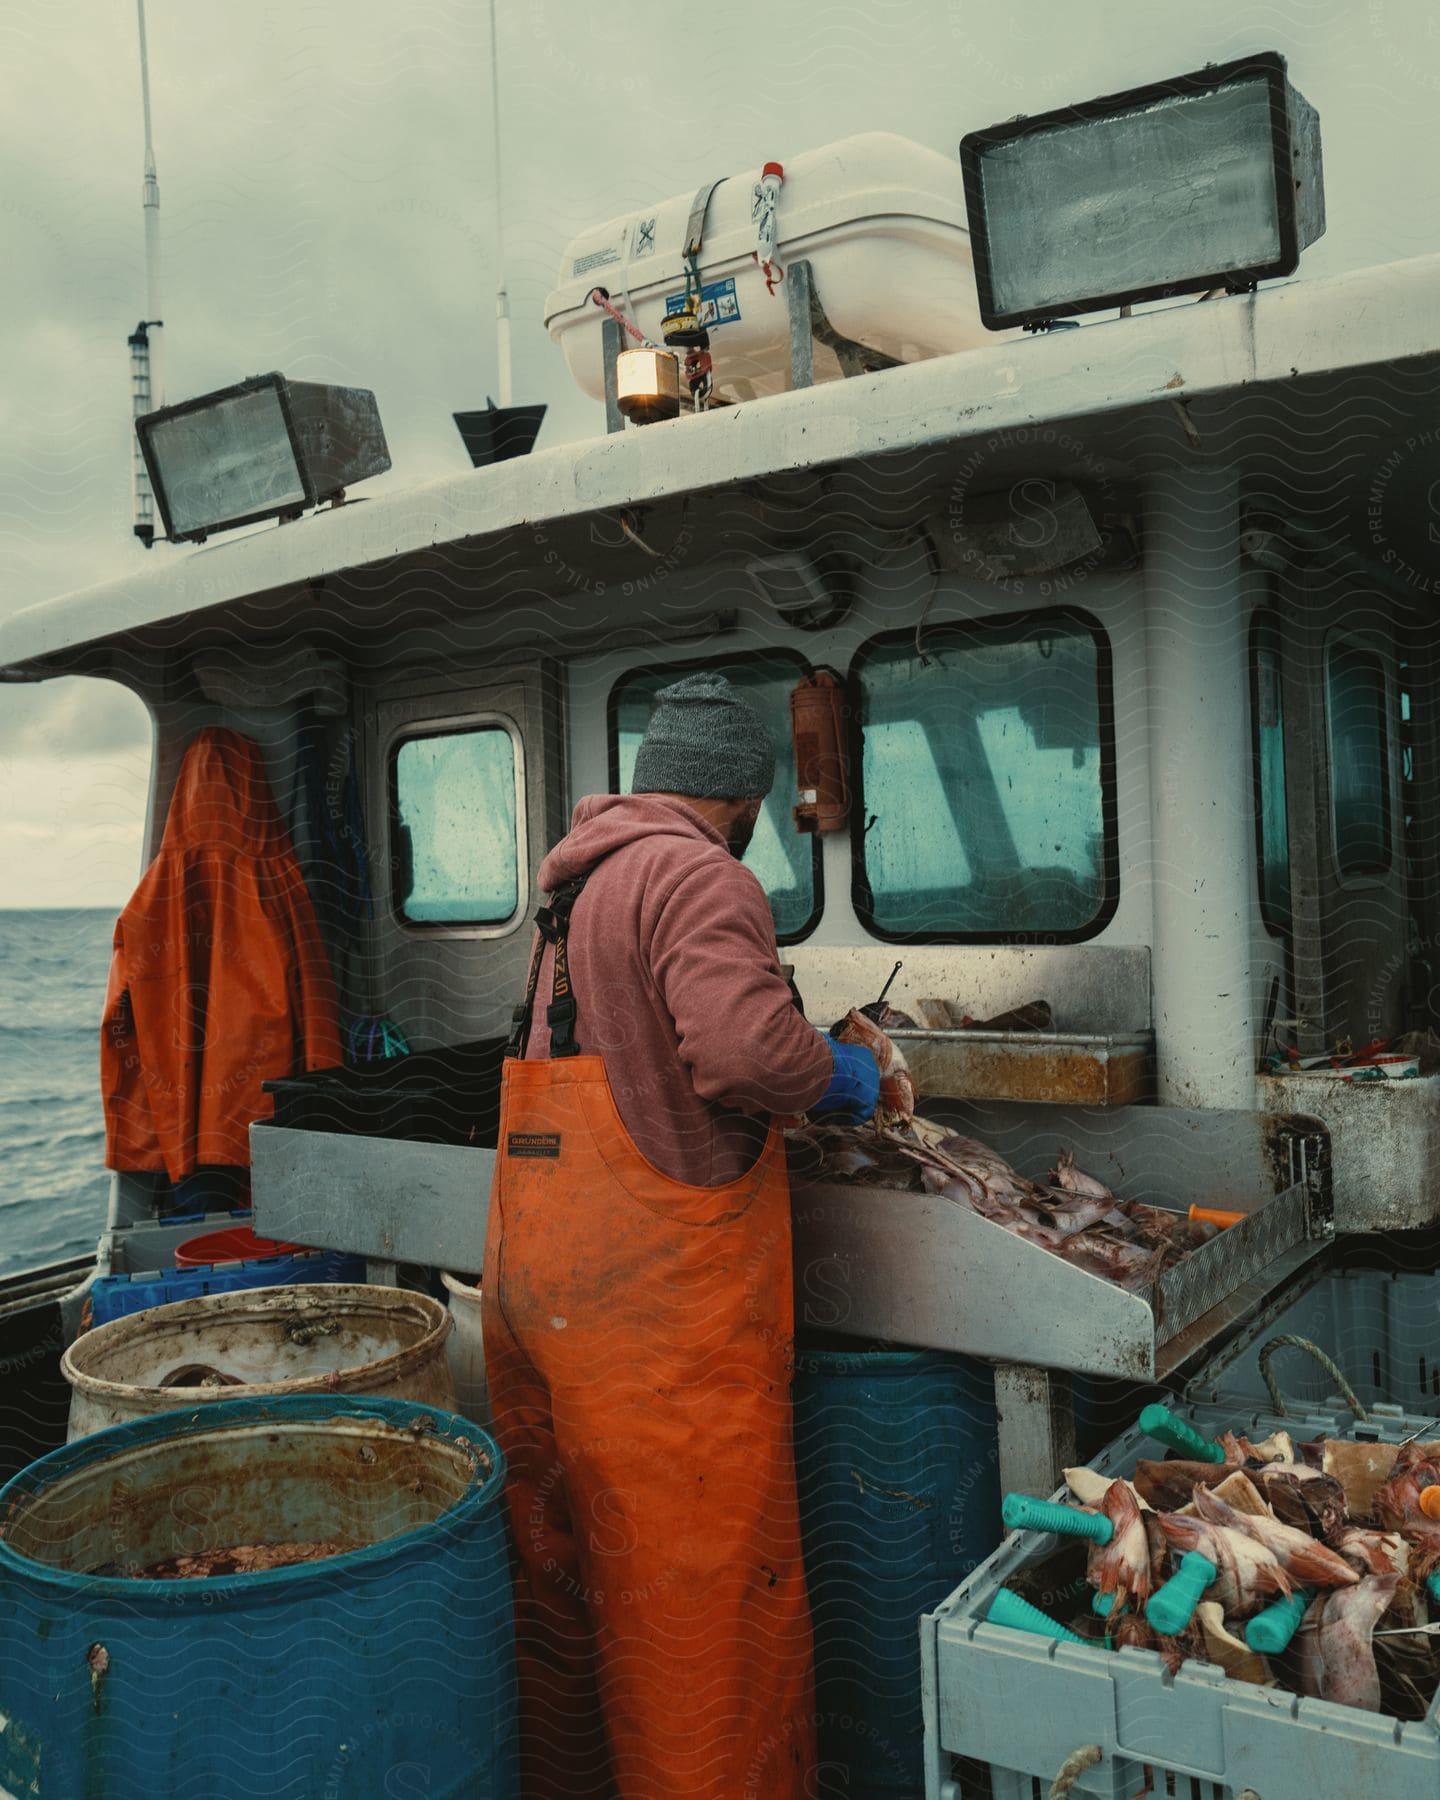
1208, 180
267, 447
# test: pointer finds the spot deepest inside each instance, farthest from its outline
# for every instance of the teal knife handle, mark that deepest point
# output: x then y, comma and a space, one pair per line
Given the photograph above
1021, 1513
1009, 1609
1432, 1582
1171, 1607
1160, 1423
1270, 1631
1104, 1604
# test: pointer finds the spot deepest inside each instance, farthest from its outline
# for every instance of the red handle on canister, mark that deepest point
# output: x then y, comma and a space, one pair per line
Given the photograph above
818, 729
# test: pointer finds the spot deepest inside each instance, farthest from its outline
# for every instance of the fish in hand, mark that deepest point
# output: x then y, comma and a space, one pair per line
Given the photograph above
897, 1090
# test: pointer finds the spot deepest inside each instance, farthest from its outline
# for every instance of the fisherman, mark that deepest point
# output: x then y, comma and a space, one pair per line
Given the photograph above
637, 1288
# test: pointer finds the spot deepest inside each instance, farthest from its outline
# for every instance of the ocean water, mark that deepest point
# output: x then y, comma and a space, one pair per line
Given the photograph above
53, 1185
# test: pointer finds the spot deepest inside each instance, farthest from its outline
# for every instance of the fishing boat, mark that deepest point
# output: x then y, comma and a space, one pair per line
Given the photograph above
1128, 629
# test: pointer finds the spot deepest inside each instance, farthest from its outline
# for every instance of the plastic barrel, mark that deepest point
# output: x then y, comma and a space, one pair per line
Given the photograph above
383, 1670
237, 1243
467, 1349
897, 1462
260, 1343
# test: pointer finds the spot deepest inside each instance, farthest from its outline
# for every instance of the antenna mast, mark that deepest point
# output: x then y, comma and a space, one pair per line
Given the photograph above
502, 298
147, 385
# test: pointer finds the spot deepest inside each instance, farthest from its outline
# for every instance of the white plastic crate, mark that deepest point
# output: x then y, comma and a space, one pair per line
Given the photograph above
1021, 1705
1381, 1328
150, 1247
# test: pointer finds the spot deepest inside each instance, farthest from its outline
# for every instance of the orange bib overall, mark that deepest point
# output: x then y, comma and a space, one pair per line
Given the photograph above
638, 1345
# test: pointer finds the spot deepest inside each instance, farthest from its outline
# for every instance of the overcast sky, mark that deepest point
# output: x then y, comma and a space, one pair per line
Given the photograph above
327, 209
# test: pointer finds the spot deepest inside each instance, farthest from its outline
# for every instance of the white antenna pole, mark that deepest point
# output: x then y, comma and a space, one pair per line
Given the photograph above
151, 203
502, 298
147, 384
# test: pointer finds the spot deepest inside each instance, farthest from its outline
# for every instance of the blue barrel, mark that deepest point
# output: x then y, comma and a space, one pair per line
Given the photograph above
384, 1669
898, 1466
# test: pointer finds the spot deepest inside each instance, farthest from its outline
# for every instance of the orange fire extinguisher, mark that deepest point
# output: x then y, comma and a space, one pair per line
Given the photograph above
817, 728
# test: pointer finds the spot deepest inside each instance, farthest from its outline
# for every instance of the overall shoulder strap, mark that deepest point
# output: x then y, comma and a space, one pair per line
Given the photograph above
552, 925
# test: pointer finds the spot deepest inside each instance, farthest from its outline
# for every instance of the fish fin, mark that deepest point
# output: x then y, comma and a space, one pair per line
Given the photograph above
1320, 1567
1271, 1578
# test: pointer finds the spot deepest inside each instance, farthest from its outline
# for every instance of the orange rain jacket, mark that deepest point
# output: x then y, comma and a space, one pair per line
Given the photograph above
219, 979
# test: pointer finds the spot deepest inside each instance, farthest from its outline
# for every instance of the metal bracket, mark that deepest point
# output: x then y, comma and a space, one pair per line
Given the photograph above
612, 342
1036, 1413
1309, 1155
809, 326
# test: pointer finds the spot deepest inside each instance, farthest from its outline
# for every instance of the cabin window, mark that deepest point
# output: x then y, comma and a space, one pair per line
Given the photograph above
1272, 825
1355, 696
987, 772
786, 863
456, 840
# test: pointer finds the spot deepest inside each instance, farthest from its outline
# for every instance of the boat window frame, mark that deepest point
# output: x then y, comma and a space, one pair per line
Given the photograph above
1265, 637
1021, 623
1364, 644
456, 725
694, 665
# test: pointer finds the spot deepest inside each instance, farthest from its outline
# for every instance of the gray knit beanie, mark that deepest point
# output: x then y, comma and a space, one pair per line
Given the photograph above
704, 739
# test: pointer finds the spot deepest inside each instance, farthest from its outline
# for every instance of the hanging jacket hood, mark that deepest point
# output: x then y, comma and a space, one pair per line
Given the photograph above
219, 980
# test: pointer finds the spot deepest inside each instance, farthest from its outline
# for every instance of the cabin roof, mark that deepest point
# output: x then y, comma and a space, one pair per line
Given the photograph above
1286, 340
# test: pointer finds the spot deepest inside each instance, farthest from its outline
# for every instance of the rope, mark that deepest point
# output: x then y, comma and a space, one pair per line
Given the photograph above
615, 313
1347, 1393
1073, 1767
635, 537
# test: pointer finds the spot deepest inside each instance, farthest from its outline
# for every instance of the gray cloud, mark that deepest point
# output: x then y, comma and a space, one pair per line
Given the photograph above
328, 205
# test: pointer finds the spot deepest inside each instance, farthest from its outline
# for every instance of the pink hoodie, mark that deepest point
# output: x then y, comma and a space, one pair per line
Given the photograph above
678, 987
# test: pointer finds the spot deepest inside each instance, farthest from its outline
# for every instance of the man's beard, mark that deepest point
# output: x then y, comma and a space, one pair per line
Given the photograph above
740, 834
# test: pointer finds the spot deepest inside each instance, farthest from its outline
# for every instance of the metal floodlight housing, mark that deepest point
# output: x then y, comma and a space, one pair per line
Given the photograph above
1222, 189
265, 448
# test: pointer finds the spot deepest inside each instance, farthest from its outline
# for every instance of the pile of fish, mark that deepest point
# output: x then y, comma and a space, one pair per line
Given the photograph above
1073, 1215
1274, 1518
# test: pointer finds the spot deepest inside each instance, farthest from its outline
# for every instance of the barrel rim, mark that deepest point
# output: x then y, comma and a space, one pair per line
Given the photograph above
879, 1360
387, 1369
483, 1492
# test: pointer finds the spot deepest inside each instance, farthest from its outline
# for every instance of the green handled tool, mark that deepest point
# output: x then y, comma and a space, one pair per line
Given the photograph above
1009, 1609
1161, 1424
1022, 1513
1171, 1608
1270, 1631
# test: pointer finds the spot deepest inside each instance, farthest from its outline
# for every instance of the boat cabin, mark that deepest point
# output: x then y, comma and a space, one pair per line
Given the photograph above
1132, 626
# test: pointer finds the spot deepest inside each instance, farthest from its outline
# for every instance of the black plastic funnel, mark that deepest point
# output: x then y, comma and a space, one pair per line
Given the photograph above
499, 432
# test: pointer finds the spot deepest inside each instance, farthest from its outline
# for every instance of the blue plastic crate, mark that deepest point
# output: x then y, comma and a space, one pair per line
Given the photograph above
115, 1296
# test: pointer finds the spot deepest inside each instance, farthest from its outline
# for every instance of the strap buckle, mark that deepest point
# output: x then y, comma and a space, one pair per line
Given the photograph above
560, 1016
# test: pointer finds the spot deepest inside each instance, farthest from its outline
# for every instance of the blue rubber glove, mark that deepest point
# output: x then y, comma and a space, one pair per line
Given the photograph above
854, 1090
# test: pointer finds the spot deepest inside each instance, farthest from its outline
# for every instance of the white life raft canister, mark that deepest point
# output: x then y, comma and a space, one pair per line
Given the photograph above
880, 219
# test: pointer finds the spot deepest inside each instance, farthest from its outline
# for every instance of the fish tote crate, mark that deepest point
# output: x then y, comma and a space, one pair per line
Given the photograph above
1381, 1328
1006, 1710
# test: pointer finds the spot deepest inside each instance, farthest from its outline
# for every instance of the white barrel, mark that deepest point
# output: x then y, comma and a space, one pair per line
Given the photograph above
467, 1350
880, 219
333, 1339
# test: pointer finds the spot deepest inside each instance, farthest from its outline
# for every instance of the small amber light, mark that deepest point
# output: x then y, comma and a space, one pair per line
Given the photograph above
647, 384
